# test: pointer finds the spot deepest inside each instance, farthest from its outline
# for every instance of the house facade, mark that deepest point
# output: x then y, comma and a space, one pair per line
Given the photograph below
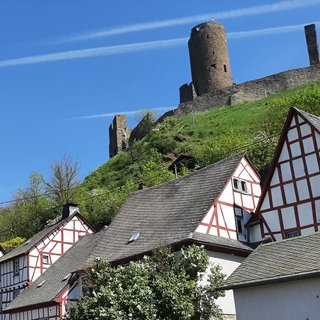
23, 265
290, 203
176, 214
234, 205
279, 280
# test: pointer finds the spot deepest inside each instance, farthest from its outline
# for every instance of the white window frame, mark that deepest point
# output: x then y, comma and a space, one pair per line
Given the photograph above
45, 258
239, 185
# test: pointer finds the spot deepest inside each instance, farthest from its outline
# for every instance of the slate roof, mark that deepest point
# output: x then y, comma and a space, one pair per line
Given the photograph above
164, 214
314, 120
30, 243
55, 279
290, 259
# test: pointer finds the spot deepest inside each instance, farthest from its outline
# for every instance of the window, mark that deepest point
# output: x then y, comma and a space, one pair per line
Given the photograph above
16, 267
239, 225
225, 68
15, 293
243, 186
239, 185
134, 237
291, 234
45, 259
235, 184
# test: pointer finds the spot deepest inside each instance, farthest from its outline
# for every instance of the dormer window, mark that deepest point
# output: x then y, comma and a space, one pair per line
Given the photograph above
239, 185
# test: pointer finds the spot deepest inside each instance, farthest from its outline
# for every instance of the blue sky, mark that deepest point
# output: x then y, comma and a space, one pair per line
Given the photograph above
67, 67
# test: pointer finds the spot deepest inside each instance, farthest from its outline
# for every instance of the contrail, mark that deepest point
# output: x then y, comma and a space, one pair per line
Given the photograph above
237, 13
268, 31
112, 114
93, 52
136, 47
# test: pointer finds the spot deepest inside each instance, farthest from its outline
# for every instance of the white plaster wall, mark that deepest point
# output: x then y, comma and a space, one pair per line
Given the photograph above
37, 314
294, 300
229, 263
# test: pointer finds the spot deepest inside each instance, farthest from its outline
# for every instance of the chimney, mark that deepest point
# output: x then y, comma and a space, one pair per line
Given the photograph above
312, 44
142, 186
69, 209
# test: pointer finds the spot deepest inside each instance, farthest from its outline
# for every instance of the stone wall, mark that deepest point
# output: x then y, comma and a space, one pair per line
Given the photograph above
142, 129
250, 90
118, 135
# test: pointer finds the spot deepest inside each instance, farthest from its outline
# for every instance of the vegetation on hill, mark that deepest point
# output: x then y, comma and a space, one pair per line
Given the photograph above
207, 137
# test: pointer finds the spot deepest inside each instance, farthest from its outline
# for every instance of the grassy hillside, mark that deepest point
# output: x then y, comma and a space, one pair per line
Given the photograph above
254, 127
208, 137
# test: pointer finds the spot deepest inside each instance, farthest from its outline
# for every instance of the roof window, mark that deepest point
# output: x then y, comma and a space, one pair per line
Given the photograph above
134, 237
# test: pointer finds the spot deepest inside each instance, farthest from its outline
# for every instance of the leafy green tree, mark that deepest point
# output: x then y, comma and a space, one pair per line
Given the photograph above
12, 243
28, 212
162, 287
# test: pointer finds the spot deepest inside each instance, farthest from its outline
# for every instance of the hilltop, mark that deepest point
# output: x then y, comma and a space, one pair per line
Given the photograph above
206, 137
189, 142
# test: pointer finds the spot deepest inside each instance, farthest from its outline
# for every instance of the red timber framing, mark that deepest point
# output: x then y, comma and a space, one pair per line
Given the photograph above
231, 210
46, 252
19, 271
37, 313
290, 203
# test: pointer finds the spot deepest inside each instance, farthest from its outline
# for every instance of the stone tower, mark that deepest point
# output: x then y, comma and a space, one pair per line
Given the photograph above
312, 44
209, 58
119, 135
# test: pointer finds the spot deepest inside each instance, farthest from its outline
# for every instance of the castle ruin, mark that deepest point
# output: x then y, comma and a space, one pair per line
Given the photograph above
212, 86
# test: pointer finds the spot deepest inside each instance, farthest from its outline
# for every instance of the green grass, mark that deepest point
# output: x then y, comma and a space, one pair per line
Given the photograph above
209, 136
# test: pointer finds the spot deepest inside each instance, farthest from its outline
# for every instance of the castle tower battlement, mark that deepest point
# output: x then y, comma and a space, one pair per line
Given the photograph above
118, 135
209, 58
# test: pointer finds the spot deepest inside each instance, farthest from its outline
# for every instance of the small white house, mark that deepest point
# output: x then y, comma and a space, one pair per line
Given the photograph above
279, 280
20, 267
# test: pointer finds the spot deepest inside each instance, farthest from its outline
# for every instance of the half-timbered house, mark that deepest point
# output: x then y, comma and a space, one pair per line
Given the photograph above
23, 265
209, 208
290, 202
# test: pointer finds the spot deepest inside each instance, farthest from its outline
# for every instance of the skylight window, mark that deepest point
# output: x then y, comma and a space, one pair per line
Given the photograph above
41, 283
134, 237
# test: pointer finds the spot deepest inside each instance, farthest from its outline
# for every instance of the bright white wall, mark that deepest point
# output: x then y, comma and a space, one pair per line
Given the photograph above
229, 263
294, 300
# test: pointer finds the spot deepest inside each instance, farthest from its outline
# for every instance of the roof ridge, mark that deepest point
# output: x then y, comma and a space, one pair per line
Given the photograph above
212, 165
279, 242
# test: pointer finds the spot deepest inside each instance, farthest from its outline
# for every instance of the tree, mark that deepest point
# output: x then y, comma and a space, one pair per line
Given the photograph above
165, 286
63, 183
30, 204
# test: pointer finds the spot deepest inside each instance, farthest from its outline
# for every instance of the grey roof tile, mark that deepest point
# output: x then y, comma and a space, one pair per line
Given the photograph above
279, 261
163, 215
56, 277
166, 213
314, 120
